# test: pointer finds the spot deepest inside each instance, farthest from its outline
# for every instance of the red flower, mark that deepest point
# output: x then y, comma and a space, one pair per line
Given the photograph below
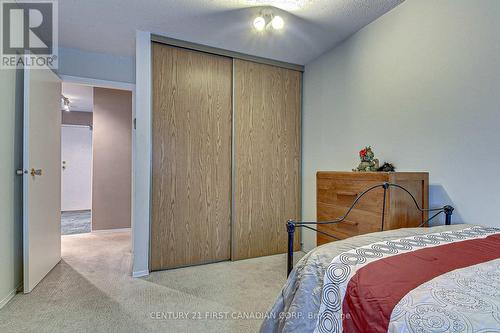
362, 153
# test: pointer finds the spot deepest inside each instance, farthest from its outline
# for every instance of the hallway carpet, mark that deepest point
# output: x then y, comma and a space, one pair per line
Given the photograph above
91, 290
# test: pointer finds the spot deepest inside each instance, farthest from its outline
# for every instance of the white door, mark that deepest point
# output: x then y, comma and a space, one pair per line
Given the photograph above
76, 168
42, 175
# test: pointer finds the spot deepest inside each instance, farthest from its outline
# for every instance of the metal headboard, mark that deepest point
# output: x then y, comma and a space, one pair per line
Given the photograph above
291, 225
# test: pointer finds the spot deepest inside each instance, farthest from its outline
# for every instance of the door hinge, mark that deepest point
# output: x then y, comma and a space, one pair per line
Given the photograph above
135, 123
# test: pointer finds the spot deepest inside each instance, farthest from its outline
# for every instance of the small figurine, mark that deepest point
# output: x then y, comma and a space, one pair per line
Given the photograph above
368, 160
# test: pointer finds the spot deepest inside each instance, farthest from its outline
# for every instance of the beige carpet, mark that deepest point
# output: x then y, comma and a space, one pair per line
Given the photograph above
91, 291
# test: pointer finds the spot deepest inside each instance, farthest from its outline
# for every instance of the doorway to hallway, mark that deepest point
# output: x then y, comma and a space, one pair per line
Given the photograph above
96, 159
76, 159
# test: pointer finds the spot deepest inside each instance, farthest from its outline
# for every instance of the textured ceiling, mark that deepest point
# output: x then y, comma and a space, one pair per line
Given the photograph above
311, 26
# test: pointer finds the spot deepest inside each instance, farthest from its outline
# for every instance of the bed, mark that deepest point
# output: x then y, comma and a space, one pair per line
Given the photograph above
437, 279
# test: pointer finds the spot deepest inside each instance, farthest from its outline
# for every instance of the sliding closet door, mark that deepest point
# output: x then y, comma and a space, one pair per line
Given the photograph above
267, 102
191, 185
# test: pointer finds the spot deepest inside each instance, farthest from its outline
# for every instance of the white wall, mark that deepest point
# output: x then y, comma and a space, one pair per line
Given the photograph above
11, 258
422, 85
76, 142
74, 62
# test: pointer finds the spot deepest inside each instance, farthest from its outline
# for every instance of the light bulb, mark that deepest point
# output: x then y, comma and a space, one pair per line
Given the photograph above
259, 23
278, 23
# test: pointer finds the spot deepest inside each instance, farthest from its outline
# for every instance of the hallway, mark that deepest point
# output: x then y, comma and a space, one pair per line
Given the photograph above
76, 222
91, 290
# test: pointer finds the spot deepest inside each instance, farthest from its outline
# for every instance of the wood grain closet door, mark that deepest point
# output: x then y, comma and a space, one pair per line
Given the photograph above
267, 158
191, 185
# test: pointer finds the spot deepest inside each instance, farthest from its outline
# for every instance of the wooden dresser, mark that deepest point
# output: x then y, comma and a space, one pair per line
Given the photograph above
336, 191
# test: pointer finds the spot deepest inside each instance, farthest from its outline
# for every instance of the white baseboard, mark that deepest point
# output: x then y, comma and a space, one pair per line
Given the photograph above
110, 230
139, 274
10, 296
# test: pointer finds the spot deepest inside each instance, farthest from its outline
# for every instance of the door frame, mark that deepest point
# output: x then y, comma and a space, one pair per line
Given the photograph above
119, 86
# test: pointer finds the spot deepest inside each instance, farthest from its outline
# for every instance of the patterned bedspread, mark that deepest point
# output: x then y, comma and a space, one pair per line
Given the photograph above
441, 279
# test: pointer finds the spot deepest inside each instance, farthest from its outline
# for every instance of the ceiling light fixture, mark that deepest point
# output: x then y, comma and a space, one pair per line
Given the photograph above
65, 103
267, 21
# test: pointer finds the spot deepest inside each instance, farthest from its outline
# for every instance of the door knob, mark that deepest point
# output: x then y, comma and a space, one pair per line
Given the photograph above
37, 172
